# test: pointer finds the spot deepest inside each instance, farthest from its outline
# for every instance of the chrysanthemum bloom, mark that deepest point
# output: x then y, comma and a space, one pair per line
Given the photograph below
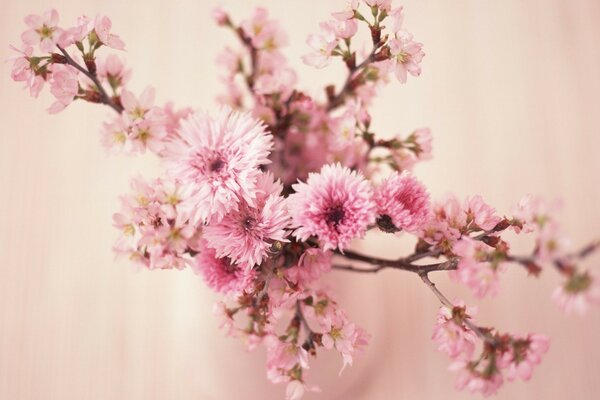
218, 160
247, 234
336, 205
402, 203
220, 273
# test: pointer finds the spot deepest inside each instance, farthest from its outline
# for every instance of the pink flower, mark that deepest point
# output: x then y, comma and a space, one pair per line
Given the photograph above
136, 108
397, 19
64, 85
114, 134
322, 45
312, 264
102, 26
579, 292
266, 34
480, 214
416, 147
295, 390
77, 33
24, 69
282, 357
218, 159
112, 70
345, 29
475, 381
43, 30
336, 205
221, 273
348, 13
402, 203
406, 56
247, 234
346, 338
475, 268
148, 133
524, 354
385, 5
451, 334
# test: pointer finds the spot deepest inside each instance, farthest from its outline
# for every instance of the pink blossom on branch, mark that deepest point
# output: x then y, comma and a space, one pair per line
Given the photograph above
43, 30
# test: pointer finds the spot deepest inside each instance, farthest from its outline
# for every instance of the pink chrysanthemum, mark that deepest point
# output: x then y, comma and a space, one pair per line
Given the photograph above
402, 203
336, 205
247, 234
217, 159
221, 273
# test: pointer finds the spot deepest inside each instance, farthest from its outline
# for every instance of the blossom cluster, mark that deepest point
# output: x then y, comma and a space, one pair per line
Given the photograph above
266, 195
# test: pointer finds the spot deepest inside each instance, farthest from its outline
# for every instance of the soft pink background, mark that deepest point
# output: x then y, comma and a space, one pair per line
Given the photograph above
511, 91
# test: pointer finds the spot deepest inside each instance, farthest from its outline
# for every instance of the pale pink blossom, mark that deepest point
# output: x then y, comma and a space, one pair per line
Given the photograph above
102, 26
112, 69
247, 234
282, 357
578, 293
312, 264
322, 45
148, 133
346, 338
295, 389
346, 29
385, 5
114, 134
225, 318
348, 13
266, 34
397, 15
136, 108
43, 30
474, 381
336, 205
452, 335
76, 33
475, 267
480, 214
218, 159
24, 69
64, 85
402, 201
524, 354
406, 56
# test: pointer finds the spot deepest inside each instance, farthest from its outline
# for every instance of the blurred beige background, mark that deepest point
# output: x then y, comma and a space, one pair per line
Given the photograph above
511, 91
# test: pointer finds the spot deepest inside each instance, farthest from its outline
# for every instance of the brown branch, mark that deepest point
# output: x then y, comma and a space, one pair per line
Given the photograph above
444, 300
403, 264
104, 97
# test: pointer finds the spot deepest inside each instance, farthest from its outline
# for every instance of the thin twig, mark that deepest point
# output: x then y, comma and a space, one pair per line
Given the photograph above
104, 97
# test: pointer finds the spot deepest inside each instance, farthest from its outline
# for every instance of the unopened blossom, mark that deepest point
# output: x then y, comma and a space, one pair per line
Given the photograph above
221, 273
43, 30
218, 159
476, 267
335, 205
523, 355
322, 45
24, 70
406, 56
220, 16
578, 293
402, 203
64, 85
452, 335
247, 233
102, 27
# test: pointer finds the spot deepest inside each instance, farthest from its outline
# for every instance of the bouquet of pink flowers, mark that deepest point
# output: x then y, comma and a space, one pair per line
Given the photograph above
267, 194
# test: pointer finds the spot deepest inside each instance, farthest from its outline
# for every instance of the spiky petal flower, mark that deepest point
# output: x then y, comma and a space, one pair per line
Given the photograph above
247, 234
217, 159
403, 202
336, 205
221, 273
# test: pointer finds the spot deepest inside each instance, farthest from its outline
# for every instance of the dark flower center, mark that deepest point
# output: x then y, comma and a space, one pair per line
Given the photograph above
335, 215
217, 165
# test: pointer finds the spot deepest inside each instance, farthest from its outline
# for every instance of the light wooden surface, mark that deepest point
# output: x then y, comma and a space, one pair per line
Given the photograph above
511, 92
